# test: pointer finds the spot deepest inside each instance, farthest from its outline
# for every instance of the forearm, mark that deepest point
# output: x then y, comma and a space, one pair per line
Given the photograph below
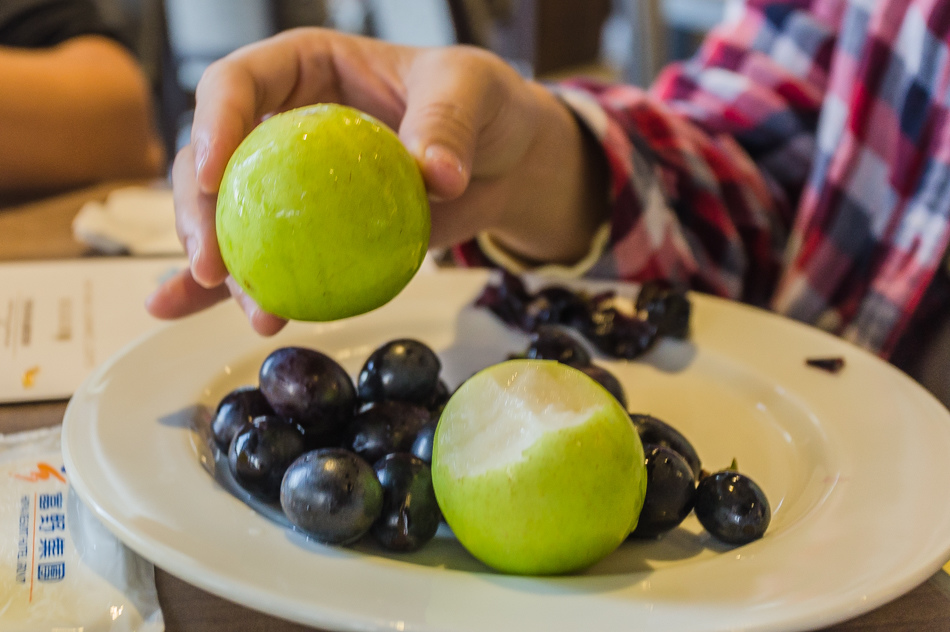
79, 112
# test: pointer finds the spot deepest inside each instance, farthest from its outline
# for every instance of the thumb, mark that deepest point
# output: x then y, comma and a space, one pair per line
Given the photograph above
444, 113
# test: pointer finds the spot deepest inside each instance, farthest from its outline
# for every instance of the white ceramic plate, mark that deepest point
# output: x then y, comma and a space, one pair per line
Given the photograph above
855, 465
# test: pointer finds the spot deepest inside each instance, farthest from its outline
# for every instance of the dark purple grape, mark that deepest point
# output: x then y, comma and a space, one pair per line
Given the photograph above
422, 444
407, 370
261, 452
237, 408
552, 342
732, 507
552, 305
490, 299
439, 398
386, 427
658, 432
336, 437
506, 299
665, 307
671, 491
410, 515
601, 300
309, 387
617, 334
606, 379
512, 288
331, 495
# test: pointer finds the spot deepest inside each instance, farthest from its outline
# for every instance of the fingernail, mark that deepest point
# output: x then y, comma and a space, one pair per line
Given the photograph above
254, 315
192, 248
201, 155
445, 156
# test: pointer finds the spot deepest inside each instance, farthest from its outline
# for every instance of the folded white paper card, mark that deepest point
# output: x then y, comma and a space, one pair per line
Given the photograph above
60, 319
134, 220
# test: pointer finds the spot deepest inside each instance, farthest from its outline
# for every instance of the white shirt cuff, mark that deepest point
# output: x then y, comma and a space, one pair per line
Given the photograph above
501, 257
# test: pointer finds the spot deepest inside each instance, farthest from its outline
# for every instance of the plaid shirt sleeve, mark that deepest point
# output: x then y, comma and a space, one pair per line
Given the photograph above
722, 146
705, 167
801, 161
872, 227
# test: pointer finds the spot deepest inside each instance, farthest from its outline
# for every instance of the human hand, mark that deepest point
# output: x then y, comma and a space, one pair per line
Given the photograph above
497, 153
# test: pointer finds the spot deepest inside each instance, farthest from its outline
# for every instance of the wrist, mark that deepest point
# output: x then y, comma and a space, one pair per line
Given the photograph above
559, 193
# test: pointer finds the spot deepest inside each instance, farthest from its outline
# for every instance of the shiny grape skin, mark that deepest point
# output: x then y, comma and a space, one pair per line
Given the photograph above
237, 408
552, 305
608, 380
422, 444
404, 369
617, 334
552, 342
386, 427
439, 398
666, 307
671, 492
261, 452
332, 495
732, 507
309, 387
656, 431
506, 299
410, 515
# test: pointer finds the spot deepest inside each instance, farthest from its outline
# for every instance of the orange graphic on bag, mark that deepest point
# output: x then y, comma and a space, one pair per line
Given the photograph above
42, 472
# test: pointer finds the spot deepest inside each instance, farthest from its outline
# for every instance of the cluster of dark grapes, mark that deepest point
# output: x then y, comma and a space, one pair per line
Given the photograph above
342, 460
729, 504
602, 319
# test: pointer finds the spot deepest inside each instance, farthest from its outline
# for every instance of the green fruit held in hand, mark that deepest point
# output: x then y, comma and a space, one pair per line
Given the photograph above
322, 214
537, 468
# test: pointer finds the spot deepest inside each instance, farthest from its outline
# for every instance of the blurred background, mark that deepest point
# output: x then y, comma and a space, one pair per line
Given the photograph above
621, 40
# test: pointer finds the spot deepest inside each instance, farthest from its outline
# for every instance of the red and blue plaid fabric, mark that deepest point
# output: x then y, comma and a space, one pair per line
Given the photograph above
800, 160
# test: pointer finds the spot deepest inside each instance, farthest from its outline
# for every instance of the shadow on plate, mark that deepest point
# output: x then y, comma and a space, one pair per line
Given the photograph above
670, 355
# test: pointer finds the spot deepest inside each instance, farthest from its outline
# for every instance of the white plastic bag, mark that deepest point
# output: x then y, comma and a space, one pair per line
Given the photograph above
60, 569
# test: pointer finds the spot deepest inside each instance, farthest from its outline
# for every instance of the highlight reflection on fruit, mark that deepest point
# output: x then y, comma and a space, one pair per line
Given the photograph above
322, 214
537, 468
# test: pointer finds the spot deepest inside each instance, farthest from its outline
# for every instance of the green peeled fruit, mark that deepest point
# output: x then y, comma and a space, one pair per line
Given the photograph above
537, 468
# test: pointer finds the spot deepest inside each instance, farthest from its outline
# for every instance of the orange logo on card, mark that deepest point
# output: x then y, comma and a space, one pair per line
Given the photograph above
43, 472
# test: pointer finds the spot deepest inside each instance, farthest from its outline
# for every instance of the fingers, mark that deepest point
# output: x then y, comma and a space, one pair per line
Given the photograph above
262, 322
182, 295
439, 99
195, 222
230, 99
295, 68
450, 99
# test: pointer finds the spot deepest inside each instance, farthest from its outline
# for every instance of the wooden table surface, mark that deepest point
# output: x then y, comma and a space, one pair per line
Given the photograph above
42, 230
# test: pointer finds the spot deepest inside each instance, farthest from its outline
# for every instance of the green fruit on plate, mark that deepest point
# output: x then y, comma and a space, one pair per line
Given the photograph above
322, 214
537, 468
